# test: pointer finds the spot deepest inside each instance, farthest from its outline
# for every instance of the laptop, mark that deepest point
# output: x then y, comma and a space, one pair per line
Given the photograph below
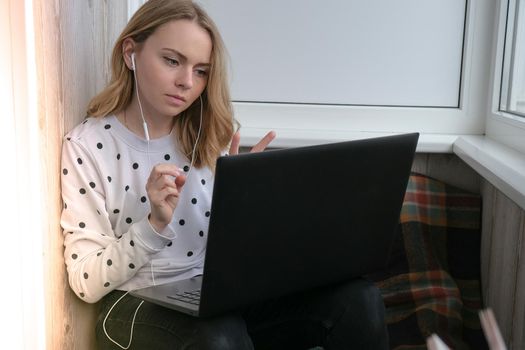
284, 221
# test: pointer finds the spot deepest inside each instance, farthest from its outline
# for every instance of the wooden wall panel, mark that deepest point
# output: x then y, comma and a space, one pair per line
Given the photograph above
448, 168
88, 32
74, 40
504, 230
503, 263
518, 318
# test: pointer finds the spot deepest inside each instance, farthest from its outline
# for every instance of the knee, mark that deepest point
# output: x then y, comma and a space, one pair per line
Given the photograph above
362, 322
225, 333
371, 306
364, 309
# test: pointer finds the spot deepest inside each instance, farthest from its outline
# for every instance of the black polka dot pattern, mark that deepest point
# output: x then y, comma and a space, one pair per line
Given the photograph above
101, 171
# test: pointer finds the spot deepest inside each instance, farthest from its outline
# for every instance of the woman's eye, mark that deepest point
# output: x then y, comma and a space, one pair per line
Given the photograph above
171, 61
202, 72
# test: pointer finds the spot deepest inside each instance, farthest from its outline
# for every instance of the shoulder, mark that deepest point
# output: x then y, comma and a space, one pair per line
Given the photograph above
89, 129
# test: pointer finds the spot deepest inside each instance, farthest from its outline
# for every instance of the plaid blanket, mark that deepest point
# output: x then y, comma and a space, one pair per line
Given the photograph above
432, 282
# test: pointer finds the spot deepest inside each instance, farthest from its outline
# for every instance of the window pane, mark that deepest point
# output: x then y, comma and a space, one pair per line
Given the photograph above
513, 78
346, 53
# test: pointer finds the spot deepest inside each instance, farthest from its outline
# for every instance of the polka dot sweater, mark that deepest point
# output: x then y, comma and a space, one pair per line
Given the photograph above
109, 242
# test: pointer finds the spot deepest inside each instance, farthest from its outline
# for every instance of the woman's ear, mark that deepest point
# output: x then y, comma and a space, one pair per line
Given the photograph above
128, 48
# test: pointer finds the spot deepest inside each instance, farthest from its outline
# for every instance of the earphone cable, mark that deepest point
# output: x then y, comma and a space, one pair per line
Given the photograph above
132, 323
197, 139
144, 124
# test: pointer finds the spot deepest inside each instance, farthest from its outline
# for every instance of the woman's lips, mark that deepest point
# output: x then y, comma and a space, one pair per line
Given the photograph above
176, 100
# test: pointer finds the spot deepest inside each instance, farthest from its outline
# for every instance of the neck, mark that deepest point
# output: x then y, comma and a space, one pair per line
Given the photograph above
157, 127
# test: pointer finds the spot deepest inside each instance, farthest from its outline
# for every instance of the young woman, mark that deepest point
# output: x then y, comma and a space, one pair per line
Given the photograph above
137, 178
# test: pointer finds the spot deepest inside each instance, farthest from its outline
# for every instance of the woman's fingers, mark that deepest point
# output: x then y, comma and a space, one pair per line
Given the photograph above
161, 195
161, 170
163, 189
265, 141
234, 146
260, 146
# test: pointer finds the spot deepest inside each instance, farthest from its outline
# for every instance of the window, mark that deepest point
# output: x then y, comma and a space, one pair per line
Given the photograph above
506, 117
317, 72
512, 97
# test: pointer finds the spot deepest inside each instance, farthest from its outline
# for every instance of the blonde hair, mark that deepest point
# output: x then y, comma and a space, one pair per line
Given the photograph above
217, 112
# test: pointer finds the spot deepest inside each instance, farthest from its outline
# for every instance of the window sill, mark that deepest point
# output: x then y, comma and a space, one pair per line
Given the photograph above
502, 166
286, 138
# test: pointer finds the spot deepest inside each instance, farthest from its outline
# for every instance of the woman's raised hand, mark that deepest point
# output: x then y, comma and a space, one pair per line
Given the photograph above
163, 188
260, 146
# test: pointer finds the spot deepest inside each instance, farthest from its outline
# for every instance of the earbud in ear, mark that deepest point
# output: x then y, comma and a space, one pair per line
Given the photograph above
133, 61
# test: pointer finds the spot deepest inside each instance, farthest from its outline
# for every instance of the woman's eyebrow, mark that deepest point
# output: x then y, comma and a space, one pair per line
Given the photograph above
183, 57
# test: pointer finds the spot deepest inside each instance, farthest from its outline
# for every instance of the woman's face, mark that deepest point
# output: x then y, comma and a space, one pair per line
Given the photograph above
172, 67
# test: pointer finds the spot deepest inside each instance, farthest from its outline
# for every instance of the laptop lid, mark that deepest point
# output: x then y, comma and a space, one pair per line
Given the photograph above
287, 220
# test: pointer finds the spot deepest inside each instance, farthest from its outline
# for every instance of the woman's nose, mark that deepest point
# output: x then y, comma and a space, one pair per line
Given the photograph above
184, 78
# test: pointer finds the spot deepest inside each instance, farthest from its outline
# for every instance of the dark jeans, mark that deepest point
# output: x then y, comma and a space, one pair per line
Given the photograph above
344, 316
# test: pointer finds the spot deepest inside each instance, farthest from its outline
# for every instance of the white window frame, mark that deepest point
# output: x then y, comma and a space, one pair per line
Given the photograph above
513, 77
298, 125
505, 128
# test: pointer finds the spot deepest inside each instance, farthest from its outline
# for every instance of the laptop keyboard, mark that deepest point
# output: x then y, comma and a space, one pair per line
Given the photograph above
192, 297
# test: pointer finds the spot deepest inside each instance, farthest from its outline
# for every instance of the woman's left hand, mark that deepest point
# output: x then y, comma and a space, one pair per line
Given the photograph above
259, 147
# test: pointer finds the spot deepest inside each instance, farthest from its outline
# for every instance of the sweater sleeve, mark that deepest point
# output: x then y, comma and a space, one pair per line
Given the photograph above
98, 260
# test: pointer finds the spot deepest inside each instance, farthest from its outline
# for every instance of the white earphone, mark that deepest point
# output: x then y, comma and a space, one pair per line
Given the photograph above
144, 125
133, 68
133, 61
